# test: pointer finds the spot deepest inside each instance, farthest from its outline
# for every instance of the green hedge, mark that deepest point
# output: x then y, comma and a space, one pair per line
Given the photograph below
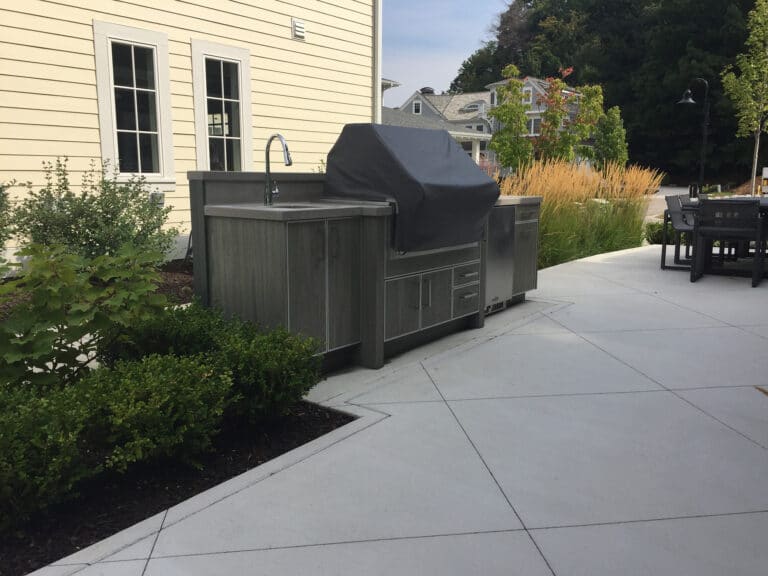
270, 370
50, 441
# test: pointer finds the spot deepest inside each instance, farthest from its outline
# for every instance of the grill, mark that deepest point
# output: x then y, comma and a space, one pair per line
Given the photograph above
441, 197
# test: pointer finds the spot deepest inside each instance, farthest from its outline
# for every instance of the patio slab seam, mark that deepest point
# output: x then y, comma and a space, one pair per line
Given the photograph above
490, 472
154, 543
318, 545
655, 381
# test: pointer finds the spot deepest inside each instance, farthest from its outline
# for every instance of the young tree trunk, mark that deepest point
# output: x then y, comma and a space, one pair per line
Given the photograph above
754, 158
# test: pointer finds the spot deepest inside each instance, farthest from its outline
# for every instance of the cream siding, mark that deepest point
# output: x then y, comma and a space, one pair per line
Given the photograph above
305, 89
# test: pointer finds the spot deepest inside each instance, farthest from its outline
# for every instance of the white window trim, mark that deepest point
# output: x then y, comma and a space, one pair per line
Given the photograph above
421, 106
103, 34
201, 49
527, 95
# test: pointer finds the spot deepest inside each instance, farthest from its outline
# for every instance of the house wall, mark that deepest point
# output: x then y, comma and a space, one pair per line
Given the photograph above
305, 89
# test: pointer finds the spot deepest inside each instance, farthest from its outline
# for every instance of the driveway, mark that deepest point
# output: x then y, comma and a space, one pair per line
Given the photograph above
609, 425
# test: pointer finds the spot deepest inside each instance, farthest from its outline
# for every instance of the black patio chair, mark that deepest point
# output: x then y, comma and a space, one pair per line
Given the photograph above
682, 227
727, 221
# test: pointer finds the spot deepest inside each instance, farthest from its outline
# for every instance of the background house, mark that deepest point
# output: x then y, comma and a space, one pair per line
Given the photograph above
164, 87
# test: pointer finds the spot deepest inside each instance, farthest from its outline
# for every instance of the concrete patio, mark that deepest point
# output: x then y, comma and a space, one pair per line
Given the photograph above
610, 425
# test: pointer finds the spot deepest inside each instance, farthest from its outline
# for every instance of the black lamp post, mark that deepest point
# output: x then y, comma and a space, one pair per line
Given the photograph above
688, 99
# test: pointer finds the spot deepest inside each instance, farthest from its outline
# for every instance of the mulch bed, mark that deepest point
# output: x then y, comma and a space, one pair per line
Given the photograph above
114, 502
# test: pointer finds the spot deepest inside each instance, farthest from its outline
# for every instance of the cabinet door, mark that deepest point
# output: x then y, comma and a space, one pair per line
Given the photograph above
436, 293
306, 279
343, 282
526, 253
402, 306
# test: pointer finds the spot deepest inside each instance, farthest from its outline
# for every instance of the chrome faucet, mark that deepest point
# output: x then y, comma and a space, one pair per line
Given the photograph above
270, 188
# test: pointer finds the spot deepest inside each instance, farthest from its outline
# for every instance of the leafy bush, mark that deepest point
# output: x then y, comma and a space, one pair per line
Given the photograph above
104, 216
654, 233
585, 211
160, 406
271, 371
5, 217
72, 305
42, 456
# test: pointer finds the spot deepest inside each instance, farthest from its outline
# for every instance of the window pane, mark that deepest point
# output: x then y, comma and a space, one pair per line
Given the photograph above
233, 155
213, 77
125, 109
232, 119
216, 153
215, 118
122, 66
144, 60
145, 102
148, 150
127, 152
231, 89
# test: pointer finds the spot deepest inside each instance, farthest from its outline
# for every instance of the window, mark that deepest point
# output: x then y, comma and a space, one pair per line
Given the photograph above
493, 97
417, 106
134, 100
221, 85
480, 128
527, 95
533, 125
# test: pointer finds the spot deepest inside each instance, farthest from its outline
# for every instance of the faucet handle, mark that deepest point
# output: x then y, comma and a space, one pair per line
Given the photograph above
275, 190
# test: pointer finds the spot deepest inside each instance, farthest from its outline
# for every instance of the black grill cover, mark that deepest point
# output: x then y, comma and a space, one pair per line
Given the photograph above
442, 197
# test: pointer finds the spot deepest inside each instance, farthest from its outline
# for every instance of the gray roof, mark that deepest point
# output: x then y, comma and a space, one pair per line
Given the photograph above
453, 106
398, 117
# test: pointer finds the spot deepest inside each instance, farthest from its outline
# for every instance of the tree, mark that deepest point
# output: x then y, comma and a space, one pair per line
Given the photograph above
611, 139
746, 84
477, 71
509, 141
569, 120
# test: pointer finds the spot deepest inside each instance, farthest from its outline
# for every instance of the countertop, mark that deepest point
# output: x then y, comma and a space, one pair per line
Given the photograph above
300, 210
517, 200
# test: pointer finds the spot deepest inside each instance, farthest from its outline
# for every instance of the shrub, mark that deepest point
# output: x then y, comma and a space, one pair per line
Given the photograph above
42, 456
102, 217
584, 211
654, 233
160, 406
270, 371
71, 306
5, 217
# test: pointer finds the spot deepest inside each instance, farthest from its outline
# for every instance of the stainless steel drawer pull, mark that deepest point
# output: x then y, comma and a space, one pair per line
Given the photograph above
469, 274
469, 296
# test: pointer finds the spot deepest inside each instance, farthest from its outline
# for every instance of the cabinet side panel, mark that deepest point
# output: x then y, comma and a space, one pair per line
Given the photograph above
246, 268
344, 248
307, 280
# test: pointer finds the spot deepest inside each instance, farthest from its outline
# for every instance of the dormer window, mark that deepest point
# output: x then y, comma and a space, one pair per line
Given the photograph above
527, 95
493, 98
471, 108
417, 106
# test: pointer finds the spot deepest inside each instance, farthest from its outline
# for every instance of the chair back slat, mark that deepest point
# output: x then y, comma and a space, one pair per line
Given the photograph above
675, 209
732, 214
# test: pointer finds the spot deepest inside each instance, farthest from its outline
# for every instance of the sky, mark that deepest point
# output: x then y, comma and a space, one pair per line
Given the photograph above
425, 41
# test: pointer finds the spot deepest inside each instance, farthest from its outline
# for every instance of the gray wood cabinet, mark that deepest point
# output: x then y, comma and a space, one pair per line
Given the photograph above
436, 290
403, 306
307, 289
304, 275
344, 282
433, 297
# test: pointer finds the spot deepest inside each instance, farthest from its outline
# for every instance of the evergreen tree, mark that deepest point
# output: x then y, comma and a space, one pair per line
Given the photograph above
611, 139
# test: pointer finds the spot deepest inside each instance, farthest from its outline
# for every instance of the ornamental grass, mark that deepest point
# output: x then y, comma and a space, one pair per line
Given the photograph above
585, 211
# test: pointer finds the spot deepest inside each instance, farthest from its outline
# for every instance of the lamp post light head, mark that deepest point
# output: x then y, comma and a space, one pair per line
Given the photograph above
687, 98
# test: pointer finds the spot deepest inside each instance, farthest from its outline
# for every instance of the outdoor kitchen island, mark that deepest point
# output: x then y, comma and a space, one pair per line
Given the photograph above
362, 272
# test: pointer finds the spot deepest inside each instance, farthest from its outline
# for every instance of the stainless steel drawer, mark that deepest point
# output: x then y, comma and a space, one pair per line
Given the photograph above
466, 274
466, 300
